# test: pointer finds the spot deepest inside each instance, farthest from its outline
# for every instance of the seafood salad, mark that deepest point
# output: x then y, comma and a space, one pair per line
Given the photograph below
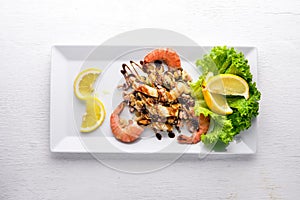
159, 98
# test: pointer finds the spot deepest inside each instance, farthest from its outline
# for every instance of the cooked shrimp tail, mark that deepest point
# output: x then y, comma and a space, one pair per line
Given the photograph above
169, 56
196, 136
123, 130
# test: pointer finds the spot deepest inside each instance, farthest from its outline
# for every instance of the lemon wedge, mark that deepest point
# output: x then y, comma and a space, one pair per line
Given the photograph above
84, 82
94, 115
216, 103
228, 84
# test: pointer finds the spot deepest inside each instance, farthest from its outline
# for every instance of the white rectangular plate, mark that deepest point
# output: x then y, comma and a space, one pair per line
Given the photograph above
67, 61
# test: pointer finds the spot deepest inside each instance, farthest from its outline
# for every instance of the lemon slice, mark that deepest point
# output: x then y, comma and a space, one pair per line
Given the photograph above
84, 82
216, 102
94, 115
228, 84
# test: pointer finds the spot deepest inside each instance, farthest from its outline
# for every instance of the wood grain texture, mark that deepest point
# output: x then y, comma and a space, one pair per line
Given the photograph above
28, 29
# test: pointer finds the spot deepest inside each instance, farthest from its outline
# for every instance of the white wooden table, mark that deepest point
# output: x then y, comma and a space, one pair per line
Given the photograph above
28, 29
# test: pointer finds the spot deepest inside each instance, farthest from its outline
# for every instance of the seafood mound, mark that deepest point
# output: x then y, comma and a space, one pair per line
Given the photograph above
160, 99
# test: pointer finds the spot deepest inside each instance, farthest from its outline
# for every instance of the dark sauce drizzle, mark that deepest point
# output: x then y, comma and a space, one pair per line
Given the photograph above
157, 63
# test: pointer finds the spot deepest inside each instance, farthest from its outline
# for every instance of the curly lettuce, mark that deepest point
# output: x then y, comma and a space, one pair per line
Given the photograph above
223, 60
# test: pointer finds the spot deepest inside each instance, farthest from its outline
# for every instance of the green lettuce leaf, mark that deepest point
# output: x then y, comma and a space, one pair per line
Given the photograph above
244, 110
223, 60
222, 128
196, 88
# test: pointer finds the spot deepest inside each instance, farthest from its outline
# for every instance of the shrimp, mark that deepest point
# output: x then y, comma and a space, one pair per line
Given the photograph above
196, 137
143, 88
123, 131
169, 56
164, 111
179, 89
